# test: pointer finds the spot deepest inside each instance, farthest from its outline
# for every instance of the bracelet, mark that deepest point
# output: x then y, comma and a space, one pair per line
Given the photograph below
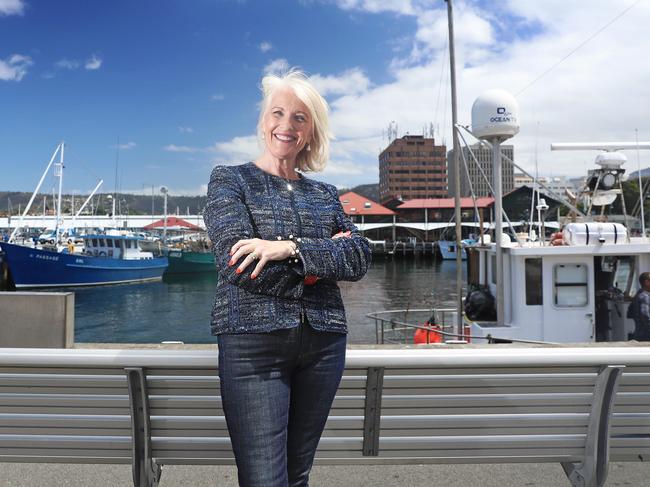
294, 249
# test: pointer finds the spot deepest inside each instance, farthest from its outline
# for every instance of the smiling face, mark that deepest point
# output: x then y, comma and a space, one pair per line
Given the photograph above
286, 126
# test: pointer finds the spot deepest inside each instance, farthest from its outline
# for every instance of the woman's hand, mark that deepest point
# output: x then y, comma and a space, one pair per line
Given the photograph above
261, 250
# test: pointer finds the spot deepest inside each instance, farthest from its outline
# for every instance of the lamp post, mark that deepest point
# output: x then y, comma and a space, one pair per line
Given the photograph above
164, 191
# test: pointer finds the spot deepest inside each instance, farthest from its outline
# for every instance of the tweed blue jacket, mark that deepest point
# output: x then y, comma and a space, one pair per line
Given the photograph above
247, 202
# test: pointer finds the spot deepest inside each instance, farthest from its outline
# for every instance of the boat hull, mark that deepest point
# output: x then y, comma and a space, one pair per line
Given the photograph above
448, 250
184, 262
43, 268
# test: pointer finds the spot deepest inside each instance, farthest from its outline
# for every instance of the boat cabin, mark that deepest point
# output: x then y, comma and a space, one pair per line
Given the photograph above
569, 293
115, 247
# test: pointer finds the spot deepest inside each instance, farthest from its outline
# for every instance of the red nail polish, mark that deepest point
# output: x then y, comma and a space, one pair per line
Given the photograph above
253, 276
231, 263
238, 271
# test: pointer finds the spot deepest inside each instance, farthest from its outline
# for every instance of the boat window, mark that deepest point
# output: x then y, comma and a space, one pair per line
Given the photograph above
571, 283
102, 242
94, 242
109, 242
534, 282
624, 275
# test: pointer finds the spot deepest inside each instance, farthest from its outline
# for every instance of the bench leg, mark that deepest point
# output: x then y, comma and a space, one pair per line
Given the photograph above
372, 414
592, 472
146, 472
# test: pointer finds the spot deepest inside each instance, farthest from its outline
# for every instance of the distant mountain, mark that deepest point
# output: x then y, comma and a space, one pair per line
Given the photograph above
635, 174
370, 191
134, 204
15, 202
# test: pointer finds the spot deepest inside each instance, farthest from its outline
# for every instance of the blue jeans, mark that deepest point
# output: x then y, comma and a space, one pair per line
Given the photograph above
277, 389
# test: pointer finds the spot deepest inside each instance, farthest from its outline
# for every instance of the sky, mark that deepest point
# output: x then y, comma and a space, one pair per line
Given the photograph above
157, 92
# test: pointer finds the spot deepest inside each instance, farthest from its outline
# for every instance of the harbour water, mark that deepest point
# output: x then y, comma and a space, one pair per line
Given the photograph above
178, 308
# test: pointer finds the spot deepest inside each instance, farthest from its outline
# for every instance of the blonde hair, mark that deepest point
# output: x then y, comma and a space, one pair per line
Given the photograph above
316, 158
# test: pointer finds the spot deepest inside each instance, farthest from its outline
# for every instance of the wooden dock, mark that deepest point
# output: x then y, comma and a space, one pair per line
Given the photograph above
381, 248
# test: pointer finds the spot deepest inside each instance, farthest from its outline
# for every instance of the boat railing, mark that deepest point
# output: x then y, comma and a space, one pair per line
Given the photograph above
399, 327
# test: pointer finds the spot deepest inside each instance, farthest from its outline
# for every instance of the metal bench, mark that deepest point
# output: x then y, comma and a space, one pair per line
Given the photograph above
574, 406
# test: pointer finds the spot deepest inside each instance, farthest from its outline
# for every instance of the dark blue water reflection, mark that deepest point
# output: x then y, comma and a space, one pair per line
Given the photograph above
179, 308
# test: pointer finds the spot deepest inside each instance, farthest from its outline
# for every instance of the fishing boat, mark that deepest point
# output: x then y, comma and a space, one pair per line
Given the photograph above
106, 259
109, 258
185, 261
448, 248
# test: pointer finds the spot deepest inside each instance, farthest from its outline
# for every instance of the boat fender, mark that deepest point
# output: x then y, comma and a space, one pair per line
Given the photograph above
102, 253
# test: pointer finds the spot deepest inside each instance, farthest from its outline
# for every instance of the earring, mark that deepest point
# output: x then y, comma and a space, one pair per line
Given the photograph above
308, 148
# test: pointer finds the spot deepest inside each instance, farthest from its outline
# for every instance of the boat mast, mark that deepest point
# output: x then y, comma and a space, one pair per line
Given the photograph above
58, 172
101, 181
456, 169
38, 187
638, 163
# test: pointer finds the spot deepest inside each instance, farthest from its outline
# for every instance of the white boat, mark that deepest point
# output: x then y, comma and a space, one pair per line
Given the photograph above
574, 292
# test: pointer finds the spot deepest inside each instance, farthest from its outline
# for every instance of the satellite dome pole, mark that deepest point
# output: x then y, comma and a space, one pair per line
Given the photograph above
495, 118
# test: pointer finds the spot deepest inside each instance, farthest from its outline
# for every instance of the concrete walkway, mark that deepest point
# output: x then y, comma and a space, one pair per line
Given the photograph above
55, 475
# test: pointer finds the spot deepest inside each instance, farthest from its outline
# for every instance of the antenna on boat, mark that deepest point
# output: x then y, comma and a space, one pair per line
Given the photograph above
495, 118
58, 172
605, 183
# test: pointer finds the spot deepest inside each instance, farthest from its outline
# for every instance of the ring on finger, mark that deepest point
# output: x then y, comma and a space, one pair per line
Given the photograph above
254, 256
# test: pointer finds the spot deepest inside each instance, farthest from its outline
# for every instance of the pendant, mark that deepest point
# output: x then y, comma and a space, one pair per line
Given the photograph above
289, 187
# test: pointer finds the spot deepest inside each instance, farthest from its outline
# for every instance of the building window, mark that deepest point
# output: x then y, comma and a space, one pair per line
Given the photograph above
534, 282
571, 285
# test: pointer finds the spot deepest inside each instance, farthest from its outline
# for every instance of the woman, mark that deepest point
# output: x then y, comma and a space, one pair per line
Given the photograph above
281, 242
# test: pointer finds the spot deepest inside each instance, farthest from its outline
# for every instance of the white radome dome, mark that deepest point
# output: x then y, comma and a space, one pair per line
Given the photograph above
495, 114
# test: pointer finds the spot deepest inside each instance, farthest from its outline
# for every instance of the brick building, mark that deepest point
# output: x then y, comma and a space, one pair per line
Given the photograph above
412, 167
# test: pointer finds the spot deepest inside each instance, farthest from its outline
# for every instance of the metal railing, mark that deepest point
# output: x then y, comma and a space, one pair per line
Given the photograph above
399, 326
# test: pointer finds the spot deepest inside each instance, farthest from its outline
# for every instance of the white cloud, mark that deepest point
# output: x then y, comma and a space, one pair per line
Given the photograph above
599, 93
404, 7
11, 7
596, 94
182, 148
237, 150
127, 146
67, 64
277, 66
265, 46
185, 130
15, 67
351, 81
93, 63
217, 97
